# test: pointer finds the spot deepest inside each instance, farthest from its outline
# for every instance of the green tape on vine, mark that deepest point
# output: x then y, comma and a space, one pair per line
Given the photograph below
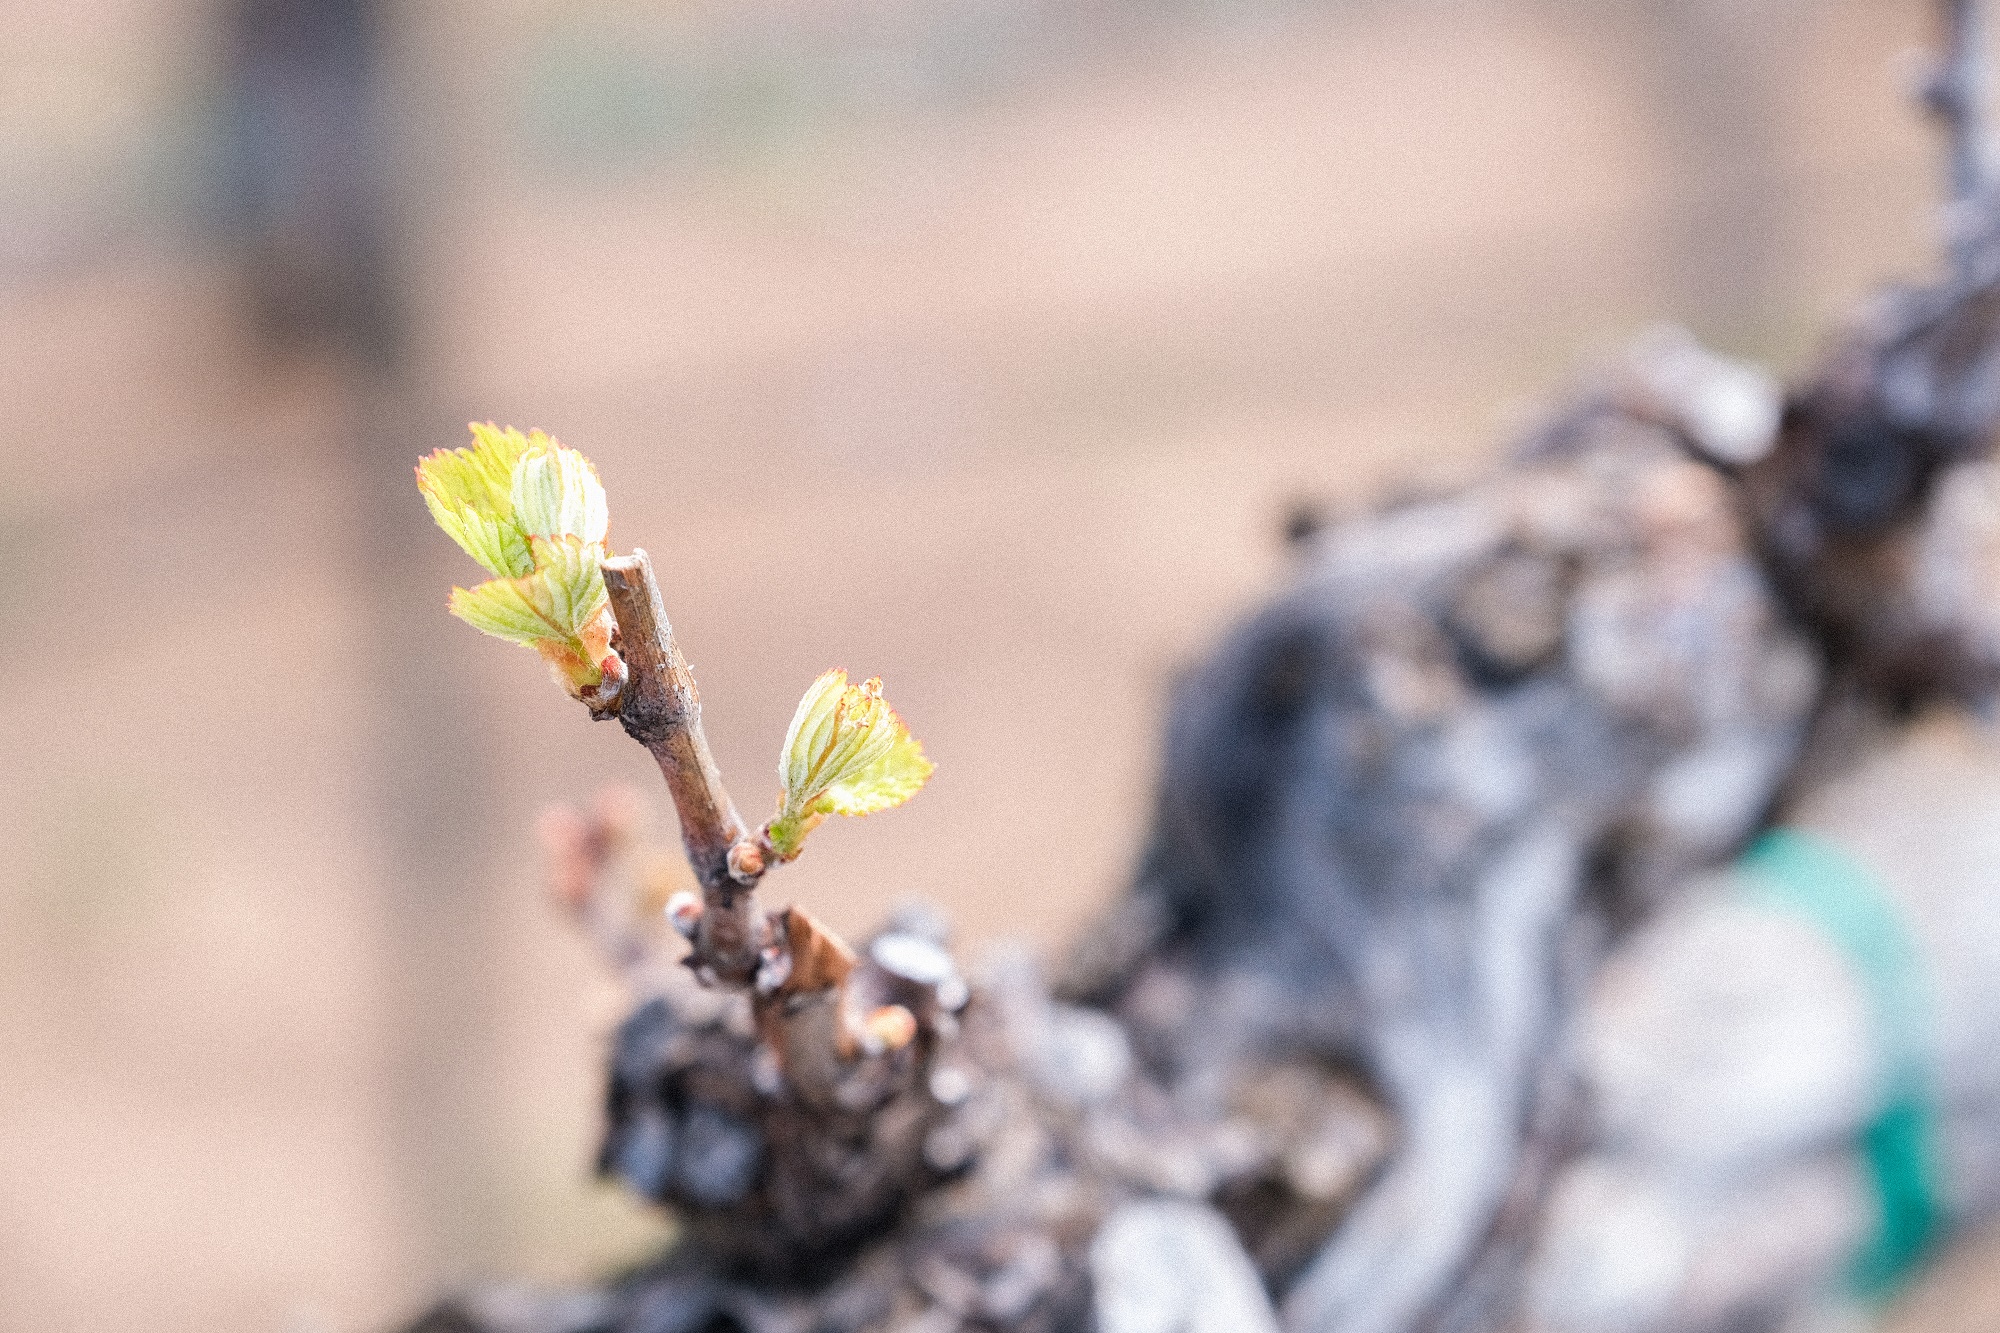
1797, 872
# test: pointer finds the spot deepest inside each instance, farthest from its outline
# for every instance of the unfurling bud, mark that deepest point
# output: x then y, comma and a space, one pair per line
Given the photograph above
533, 513
846, 753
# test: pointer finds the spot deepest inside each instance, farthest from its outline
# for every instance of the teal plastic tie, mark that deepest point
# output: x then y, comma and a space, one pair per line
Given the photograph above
1799, 873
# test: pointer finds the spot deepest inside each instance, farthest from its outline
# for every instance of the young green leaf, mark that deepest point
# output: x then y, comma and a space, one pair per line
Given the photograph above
494, 542
556, 494
470, 494
846, 753
507, 609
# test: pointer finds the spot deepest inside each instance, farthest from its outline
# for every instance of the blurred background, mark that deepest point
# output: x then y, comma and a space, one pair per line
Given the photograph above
980, 344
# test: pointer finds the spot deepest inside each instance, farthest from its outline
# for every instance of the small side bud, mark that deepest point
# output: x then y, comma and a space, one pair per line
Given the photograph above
684, 913
746, 862
890, 1028
774, 968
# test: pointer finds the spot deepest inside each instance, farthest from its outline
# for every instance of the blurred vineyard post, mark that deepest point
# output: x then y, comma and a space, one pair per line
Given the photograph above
323, 208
